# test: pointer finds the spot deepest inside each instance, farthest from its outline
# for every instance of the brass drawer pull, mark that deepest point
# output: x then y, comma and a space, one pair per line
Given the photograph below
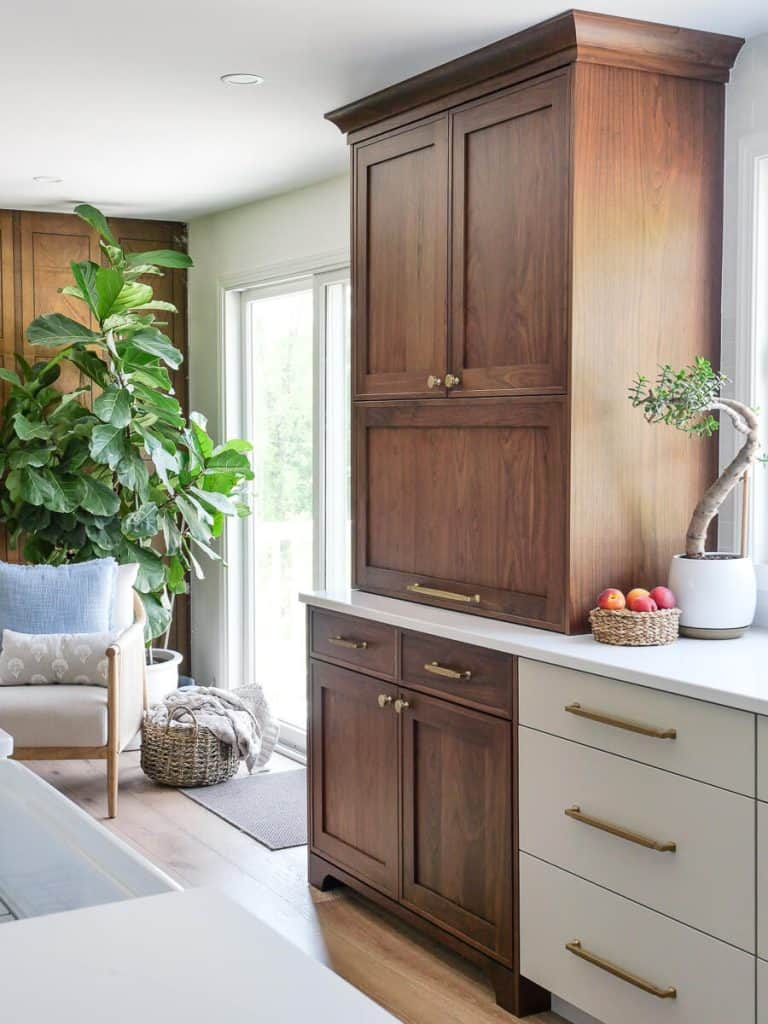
621, 723
617, 830
447, 595
452, 381
383, 700
434, 382
401, 705
575, 947
353, 645
450, 673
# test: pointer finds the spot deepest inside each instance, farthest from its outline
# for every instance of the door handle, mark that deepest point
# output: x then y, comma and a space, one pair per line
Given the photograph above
619, 831
577, 949
354, 645
450, 673
620, 723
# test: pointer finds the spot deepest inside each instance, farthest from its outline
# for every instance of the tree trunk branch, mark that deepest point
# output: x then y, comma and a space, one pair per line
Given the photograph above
745, 421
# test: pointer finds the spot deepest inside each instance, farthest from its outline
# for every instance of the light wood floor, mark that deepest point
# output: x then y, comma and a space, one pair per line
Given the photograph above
413, 978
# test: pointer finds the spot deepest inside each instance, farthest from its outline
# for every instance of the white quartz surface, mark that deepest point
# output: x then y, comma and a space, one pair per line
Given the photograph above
729, 672
192, 957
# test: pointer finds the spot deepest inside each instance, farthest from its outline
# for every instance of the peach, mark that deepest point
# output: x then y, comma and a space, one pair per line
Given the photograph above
633, 595
644, 604
664, 597
611, 599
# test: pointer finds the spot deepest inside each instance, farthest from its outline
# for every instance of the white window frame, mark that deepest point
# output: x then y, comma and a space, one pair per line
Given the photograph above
748, 348
236, 656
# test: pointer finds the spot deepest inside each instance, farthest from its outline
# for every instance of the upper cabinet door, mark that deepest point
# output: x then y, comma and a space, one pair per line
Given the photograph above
401, 263
510, 242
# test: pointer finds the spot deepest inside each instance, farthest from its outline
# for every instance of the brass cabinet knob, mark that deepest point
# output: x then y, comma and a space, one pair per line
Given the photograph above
433, 381
401, 705
383, 700
452, 381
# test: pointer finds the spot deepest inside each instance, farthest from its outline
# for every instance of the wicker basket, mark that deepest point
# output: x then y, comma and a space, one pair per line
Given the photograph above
635, 629
186, 755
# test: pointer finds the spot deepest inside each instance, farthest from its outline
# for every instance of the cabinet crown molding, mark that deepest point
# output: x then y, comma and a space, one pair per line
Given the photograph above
574, 36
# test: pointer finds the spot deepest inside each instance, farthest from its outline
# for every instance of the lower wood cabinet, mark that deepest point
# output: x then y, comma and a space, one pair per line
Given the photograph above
457, 829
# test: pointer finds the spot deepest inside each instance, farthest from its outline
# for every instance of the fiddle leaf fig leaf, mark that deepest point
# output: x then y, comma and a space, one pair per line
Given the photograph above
114, 406
85, 275
132, 295
142, 523
170, 258
27, 430
98, 498
109, 284
107, 444
96, 219
54, 330
155, 343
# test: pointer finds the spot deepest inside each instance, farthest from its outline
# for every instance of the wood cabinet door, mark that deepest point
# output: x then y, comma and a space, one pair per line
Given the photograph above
462, 503
401, 262
457, 820
510, 216
354, 760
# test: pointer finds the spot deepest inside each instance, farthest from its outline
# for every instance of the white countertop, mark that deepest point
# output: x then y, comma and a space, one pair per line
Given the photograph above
729, 672
193, 956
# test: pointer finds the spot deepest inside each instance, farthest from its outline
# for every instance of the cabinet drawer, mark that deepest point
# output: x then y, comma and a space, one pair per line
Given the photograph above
707, 881
466, 674
713, 982
686, 736
360, 643
762, 757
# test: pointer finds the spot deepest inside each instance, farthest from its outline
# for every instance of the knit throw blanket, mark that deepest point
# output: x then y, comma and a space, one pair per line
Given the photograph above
241, 718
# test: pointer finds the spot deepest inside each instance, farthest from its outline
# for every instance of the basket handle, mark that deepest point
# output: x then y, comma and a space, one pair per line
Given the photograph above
173, 716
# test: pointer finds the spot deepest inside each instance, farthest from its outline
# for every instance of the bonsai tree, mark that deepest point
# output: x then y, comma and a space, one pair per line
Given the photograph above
113, 468
688, 399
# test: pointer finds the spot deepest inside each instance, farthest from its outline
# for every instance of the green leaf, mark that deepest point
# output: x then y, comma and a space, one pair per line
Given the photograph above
165, 463
153, 376
151, 574
202, 442
33, 487
132, 295
29, 457
215, 500
27, 429
98, 498
107, 444
85, 275
97, 221
158, 617
65, 492
229, 460
143, 522
196, 518
54, 330
114, 406
159, 258
155, 343
161, 304
10, 376
175, 576
109, 284
90, 364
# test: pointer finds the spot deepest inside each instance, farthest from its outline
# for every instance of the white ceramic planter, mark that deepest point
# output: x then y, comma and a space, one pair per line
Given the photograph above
717, 595
162, 674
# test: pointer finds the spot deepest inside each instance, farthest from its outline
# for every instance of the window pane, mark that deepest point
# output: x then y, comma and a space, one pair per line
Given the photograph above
280, 336
338, 525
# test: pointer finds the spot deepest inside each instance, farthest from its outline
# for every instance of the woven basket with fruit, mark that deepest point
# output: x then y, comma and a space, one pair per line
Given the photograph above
644, 618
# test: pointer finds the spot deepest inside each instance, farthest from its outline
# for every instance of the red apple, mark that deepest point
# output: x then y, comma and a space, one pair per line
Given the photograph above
664, 597
611, 599
644, 604
633, 596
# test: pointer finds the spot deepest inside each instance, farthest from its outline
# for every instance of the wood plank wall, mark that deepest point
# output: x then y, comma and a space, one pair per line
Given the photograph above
35, 253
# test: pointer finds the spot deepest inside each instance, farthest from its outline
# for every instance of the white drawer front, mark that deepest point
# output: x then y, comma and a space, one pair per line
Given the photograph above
762, 882
706, 882
762, 992
762, 757
714, 983
712, 744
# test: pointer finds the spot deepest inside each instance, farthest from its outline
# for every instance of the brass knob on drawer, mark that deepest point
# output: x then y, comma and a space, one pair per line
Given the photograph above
434, 382
452, 381
401, 705
383, 700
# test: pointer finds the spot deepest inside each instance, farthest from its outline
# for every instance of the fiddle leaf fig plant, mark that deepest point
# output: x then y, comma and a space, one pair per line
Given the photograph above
688, 399
114, 467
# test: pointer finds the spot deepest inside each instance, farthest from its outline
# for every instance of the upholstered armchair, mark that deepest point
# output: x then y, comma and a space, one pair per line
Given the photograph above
72, 722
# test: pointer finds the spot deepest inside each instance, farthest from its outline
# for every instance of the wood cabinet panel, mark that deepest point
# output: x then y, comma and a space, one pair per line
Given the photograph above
461, 672
355, 775
465, 496
48, 244
401, 255
510, 241
457, 827
353, 643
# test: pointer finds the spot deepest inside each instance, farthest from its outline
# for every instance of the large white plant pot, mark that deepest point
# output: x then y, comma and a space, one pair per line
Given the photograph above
717, 595
162, 674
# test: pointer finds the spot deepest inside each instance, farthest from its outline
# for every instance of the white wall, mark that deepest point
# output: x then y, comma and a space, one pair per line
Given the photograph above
746, 122
227, 247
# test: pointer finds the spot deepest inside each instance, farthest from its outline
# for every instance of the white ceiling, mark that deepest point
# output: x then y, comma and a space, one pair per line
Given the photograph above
123, 101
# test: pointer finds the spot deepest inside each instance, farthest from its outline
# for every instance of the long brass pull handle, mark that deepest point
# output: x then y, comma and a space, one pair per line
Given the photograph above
433, 381
446, 595
383, 700
576, 948
452, 381
622, 833
401, 705
621, 723
354, 645
450, 673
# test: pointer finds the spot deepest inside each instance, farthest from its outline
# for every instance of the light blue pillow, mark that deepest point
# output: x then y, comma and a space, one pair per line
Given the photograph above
58, 599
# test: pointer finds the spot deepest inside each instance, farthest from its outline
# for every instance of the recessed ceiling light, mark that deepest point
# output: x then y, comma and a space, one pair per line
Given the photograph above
242, 78
47, 179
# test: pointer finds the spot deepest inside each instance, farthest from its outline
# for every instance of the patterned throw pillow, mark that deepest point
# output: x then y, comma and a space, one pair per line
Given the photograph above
54, 658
